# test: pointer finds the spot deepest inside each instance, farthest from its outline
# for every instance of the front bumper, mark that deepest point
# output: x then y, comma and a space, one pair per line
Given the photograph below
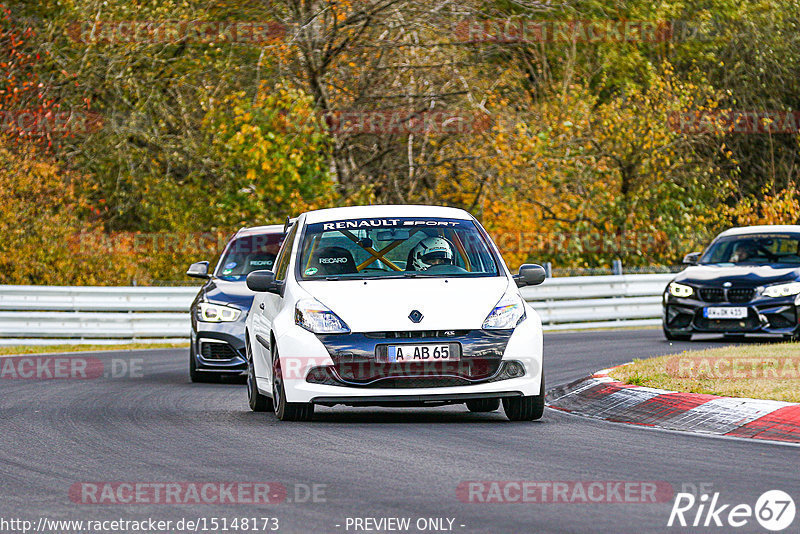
438, 399
219, 347
765, 315
352, 355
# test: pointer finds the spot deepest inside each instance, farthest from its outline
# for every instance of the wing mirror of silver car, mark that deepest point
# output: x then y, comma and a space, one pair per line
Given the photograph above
198, 270
691, 258
530, 274
263, 281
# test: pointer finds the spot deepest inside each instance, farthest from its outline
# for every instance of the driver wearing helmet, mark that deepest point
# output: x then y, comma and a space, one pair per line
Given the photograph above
431, 251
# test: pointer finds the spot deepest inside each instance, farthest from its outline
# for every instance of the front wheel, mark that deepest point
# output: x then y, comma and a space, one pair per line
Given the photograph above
257, 401
676, 337
195, 375
287, 411
525, 408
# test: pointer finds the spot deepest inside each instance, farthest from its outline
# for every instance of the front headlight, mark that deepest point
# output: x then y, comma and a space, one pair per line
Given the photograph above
315, 317
217, 313
507, 313
680, 290
782, 290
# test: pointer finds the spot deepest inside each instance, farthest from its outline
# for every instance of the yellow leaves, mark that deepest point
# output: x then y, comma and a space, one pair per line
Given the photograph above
781, 207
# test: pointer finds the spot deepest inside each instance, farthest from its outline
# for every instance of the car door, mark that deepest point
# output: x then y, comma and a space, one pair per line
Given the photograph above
268, 305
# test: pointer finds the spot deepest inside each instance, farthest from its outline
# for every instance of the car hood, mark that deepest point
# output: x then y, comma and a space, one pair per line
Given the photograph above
225, 292
740, 275
385, 305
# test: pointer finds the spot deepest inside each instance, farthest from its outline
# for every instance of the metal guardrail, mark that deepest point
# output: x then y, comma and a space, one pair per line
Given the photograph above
44, 315
103, 315
581, 302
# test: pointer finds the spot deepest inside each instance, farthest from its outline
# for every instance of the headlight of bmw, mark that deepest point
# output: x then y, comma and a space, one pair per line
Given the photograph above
679, 290
507, 313
315, 317
217, 313
782, 290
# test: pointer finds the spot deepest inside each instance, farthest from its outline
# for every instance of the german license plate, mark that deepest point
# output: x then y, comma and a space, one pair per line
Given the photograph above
725, 313
429, 352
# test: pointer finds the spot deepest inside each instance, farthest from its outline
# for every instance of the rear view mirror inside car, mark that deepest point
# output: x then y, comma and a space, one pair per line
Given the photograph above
393, 235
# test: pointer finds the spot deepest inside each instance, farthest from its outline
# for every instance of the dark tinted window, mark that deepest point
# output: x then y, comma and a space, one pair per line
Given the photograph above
755, 249
247, 254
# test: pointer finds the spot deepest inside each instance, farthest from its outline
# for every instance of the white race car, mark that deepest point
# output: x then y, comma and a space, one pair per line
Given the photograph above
392, 306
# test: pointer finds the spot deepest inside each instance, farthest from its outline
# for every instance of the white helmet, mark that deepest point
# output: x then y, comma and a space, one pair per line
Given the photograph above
429, 249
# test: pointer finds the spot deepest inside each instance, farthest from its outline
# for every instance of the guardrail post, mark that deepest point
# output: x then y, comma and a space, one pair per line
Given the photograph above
548, 269
616, 267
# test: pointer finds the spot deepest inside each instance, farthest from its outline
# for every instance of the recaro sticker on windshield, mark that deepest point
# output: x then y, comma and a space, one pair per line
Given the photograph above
355, 224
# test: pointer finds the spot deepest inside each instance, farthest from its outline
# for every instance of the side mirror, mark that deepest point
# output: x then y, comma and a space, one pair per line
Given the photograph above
530, 274
692, 258
198, 270
262, 281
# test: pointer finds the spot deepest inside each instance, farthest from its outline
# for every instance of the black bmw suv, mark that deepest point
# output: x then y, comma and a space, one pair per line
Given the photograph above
220, 308
746, 282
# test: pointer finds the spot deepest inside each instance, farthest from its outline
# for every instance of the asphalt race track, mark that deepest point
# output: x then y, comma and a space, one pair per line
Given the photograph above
156, 426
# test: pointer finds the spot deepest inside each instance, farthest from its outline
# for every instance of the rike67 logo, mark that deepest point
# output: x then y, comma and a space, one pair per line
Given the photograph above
774, 511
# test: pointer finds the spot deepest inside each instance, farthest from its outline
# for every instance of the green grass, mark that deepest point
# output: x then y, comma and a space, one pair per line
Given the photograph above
46, 349
761, 371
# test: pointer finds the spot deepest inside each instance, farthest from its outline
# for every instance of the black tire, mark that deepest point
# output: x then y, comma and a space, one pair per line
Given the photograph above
525, 408
257, 401
287, 411
676, 337
195, 375
483, 405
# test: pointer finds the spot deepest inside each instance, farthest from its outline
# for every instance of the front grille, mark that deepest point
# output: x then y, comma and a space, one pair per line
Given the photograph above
371, 371
356, 356
712, 294
217, 351
784, 317
739, 295
397, 380
727, 325
682, 320
418, 382
779, 321
415, 334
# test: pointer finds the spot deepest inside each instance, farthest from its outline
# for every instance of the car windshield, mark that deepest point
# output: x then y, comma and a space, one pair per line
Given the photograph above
394, 247
247, 254
755, 249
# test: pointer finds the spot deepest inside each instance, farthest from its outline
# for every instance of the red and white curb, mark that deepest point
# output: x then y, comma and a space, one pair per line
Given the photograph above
602, 397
